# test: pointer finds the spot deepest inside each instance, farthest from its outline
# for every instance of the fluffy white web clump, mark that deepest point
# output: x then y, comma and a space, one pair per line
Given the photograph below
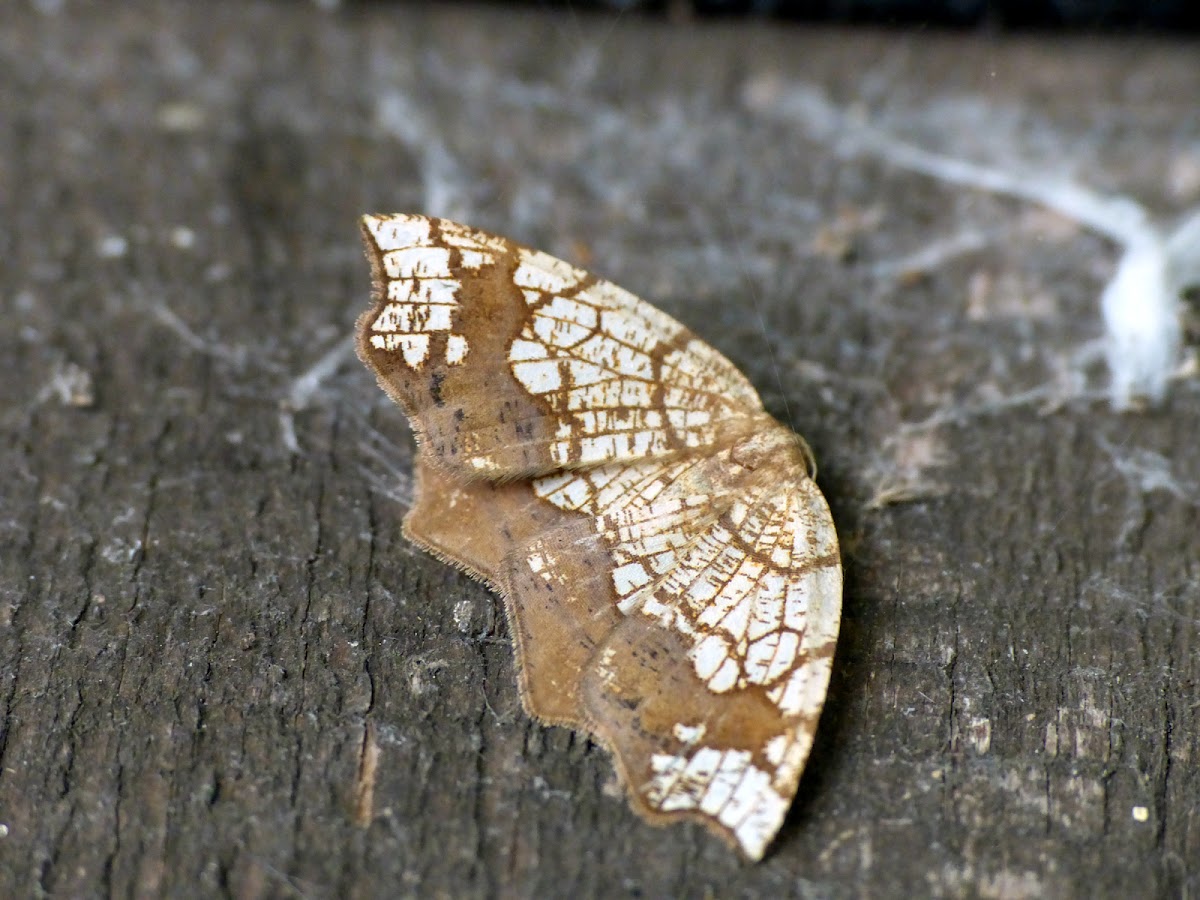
1143, 309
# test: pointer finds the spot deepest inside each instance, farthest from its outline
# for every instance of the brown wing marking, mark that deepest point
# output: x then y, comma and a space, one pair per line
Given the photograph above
492, 531
465, 522
645, 703
731, 761
561, 608
456, 385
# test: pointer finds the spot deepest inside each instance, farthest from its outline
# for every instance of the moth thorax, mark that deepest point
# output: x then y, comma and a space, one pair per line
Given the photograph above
776, 447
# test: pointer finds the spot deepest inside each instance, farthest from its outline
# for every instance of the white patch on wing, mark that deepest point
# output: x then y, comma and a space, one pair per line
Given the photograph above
724, 784
421, 287
689, 734
456, 349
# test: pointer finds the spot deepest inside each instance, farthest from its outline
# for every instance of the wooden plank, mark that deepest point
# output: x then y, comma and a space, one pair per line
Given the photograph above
223, 671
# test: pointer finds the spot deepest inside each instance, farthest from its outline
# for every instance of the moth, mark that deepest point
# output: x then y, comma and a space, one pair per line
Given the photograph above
669, 568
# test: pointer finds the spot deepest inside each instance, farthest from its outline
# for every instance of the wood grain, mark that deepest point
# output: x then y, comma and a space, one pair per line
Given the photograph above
203, 633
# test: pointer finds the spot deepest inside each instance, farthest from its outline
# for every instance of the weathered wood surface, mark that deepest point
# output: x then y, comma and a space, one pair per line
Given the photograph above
223, 671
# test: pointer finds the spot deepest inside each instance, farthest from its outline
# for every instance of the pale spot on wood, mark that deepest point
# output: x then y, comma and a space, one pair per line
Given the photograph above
462, 616
364, 790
